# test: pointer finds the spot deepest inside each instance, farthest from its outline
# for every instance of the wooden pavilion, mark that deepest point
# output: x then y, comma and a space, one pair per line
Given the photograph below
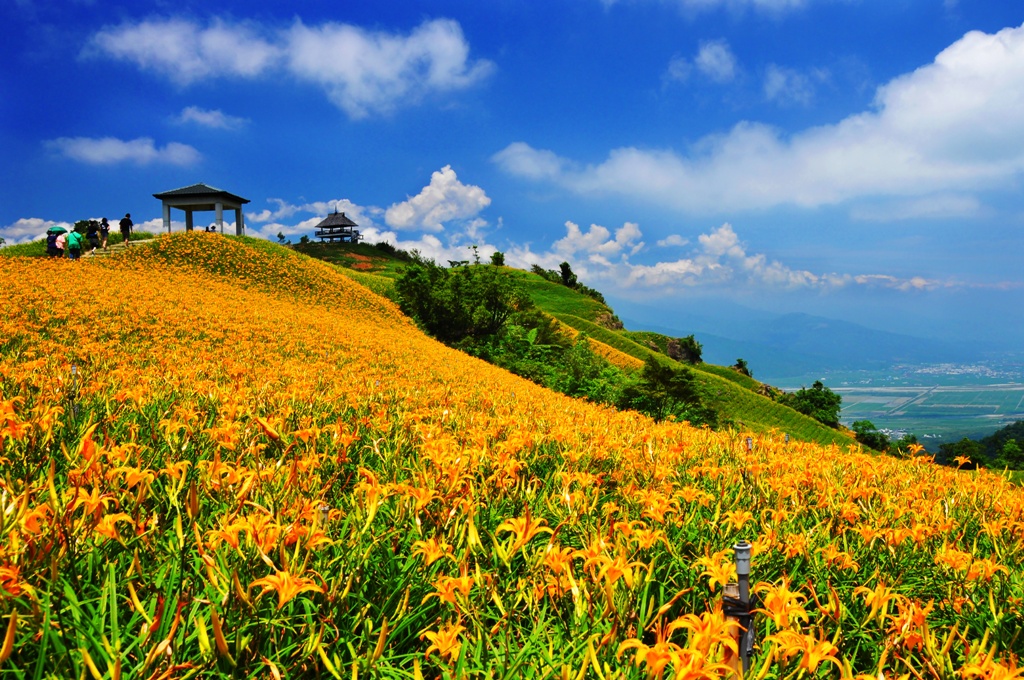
338, 227
199, 198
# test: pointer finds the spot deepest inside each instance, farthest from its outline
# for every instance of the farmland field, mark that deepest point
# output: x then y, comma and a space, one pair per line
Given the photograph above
935, 412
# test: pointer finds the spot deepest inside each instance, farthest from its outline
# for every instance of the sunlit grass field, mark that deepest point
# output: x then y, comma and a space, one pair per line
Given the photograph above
244, 464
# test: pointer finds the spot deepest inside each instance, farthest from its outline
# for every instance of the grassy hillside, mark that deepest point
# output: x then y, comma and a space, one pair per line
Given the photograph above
734, 395
556, 299
738, 402
250, 466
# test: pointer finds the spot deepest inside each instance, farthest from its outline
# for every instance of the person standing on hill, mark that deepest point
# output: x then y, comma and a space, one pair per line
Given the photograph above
59, 243
126, 225
74, 245
104, 231
92, 233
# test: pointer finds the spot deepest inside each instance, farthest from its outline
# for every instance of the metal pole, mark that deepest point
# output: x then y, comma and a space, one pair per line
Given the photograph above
74, 391
750, 443
742, 552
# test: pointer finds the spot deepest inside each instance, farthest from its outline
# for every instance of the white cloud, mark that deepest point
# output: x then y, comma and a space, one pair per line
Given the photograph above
718, 259
27, 229
368, 72
444, 199
363, 72
787, 86
679, 69
520, 159
597, 243
185, 51
716, 61
110, 150
216, 118
672, 240
952, 125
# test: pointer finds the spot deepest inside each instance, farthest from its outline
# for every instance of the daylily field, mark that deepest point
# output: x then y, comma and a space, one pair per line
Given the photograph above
220, 458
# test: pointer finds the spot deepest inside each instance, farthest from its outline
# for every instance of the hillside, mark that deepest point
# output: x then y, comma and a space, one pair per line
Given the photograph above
246, 464
733, 395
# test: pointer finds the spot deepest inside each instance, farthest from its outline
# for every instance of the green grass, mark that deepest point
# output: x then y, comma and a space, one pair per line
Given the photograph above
616, 339
379, 283
557, 299
361, 257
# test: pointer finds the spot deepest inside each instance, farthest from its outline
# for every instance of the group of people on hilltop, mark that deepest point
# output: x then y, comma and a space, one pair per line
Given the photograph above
70, 243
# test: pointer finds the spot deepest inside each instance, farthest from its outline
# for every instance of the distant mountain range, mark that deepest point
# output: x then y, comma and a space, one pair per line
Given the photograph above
781, 346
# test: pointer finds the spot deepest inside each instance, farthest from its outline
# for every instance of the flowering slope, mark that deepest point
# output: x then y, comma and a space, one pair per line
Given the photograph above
235, 462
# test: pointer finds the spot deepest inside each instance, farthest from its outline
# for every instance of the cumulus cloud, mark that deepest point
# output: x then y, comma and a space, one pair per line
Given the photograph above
28, 229
952, 125
186, 51
719, 258
110, 150
672, 240
216, 118
368, 72
363, 72
714, 60
444, 199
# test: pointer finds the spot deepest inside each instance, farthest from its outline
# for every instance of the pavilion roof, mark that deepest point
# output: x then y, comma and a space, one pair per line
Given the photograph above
200, 190
336, 219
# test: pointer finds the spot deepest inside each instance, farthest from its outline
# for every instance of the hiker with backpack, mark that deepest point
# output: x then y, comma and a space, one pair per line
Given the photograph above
51, 244
126, 225
92, 233
104, 231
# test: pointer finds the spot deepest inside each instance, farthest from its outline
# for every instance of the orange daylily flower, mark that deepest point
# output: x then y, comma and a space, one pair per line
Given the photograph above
286, 586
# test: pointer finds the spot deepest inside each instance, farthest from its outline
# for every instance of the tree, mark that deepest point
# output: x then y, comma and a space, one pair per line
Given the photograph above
966, 450
818, 402
741, 367
282, 240
1011, 455
568, 278
304, 240
869, 436
464, 302
498, 258
664, 390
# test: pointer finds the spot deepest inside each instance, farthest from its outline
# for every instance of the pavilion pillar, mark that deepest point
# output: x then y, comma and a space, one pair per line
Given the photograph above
189, 226
239, 222
167, 218
219, 207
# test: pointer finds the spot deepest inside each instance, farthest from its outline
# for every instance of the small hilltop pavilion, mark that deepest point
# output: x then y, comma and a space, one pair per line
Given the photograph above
338, 227
203, 198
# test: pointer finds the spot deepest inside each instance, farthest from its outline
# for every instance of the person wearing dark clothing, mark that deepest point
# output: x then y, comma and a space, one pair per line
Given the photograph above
92, 233
51, 245
104, 231
126, 227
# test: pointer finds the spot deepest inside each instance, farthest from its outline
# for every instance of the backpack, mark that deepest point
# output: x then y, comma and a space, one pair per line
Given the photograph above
51, 241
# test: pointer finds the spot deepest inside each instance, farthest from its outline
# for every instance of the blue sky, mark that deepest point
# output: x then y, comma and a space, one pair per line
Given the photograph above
856, 159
